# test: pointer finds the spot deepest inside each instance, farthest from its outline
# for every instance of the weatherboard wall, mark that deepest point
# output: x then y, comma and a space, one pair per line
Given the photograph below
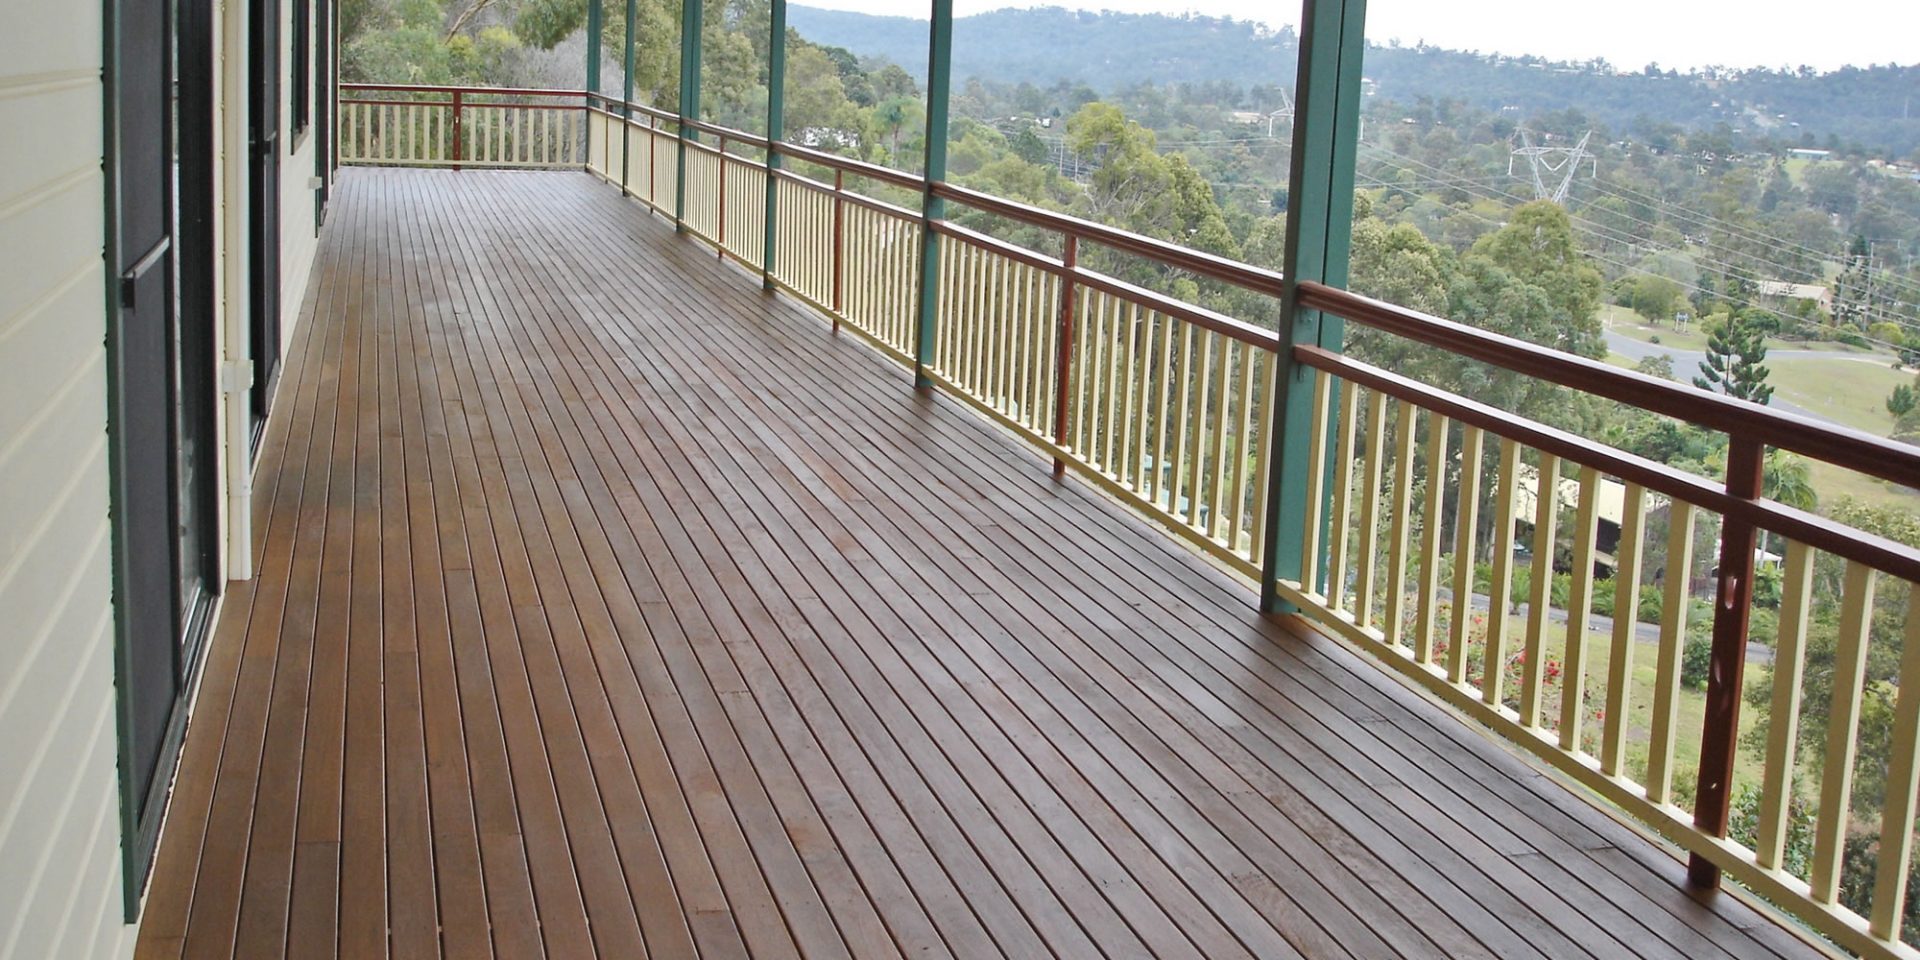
60, 884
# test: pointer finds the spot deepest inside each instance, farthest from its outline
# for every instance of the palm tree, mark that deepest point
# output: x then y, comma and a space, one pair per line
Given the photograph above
1788, 480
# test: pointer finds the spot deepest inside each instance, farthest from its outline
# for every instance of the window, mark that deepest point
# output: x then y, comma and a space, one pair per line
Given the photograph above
301, 67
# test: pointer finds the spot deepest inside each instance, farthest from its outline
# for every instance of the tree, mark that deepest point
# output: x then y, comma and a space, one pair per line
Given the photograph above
1537, 248
1659, 365
1901, 401
1028, 146
1735, 362
1656, 298
1397, 264
1788, 479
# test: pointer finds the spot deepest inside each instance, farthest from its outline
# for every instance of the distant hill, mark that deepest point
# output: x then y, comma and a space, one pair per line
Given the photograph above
1875, 107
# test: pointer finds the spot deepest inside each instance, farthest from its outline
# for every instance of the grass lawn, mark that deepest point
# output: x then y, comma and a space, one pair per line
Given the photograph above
1632, 325
1837, 482
1852, 392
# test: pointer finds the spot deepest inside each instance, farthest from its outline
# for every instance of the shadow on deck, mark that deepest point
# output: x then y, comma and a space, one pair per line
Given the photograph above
608, 605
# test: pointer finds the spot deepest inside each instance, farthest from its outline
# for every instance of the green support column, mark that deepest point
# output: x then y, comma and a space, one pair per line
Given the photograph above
932, 208
626, 100
691, 18
594, 29
593, 61
776, 128
1319, 230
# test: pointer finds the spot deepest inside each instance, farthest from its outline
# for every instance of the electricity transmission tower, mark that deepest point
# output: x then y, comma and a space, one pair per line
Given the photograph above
1284, 115
1546, 164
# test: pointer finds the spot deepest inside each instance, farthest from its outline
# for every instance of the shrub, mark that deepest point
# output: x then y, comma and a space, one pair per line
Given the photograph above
1651, 601
1603, 597
1766, 587
1562, 589
1696, 659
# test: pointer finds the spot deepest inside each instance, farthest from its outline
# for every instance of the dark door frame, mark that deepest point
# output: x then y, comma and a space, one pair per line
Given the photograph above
323, 117
160, 388
195, 243
263, 203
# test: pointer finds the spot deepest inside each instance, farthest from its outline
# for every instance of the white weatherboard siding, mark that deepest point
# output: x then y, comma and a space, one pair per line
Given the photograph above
60, 884
298, 241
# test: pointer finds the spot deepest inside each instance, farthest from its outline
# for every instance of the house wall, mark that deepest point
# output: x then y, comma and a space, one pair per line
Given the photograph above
60, 884
298, 241
60, 830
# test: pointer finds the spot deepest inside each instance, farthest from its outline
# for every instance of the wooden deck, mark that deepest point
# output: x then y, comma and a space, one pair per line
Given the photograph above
608, 606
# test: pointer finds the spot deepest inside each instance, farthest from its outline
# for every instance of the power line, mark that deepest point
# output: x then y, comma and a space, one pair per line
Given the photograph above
1729, 268
1910, 289
1632, 270
1601, 232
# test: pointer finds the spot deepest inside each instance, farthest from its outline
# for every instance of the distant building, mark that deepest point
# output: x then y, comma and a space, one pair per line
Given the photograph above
1610, 507
1782, 290
1249, 118
828, 137
1809, 153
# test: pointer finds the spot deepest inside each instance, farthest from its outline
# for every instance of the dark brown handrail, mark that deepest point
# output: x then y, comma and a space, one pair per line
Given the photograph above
858, 168
468, 90
858, 200
732, 135
1843, 446
1194, 261
1813, 530
608, 103
1199, 316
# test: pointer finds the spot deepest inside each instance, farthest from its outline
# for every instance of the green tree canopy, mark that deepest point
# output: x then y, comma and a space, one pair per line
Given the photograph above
1735, 363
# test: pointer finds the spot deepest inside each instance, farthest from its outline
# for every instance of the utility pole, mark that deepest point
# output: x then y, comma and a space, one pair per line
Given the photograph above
1870, 272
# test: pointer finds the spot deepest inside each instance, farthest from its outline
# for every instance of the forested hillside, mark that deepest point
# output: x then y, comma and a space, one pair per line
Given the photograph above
1864, 106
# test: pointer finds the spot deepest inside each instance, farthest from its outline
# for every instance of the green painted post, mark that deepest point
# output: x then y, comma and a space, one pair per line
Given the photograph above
593, 46
691, 18
776, 128
626, 102
932, 208
1319, 232
593, 62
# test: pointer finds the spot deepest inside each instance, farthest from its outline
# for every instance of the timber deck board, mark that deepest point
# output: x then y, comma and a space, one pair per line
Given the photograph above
609, 606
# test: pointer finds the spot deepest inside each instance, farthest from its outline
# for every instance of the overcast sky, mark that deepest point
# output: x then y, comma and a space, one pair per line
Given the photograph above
1630, 33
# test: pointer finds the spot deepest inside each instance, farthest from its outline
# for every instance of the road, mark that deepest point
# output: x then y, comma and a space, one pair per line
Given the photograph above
1687, 362
1646, 633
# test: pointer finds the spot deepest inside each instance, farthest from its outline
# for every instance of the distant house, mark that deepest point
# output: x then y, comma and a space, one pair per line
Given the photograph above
1809, 153
1610, 507
1249, 118
1782, 290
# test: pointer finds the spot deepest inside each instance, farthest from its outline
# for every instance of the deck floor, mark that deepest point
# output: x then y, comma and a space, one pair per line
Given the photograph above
608, 606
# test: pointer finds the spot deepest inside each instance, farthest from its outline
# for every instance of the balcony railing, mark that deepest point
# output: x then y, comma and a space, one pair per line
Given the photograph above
427, 126
1168, 406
